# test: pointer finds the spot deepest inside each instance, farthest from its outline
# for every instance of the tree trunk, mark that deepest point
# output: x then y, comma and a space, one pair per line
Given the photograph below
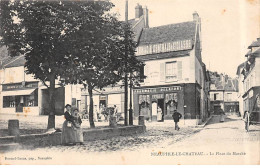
91, 121
51, 90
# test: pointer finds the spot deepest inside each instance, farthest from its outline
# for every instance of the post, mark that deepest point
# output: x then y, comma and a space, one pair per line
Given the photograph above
141, 120
112, 122
126, 56
131, 108
13, 127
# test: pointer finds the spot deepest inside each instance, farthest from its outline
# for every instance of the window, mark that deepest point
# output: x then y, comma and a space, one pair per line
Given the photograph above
171, 71
215, 96
142, 74
25, 101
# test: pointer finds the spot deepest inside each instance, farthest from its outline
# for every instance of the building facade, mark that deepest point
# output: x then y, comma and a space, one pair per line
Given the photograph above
223, 94
176, 77
251, 73
21, 93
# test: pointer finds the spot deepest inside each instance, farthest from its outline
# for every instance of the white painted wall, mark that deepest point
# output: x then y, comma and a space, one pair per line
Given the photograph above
153, 71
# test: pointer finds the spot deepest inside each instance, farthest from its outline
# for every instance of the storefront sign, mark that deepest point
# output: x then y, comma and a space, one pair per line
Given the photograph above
164, 47
231, 103
158, 96
107, 90
161, 89
22, 85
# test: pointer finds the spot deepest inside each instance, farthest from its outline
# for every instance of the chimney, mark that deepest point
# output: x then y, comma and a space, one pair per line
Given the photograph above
138, 11
196, 16
126, 11
145, 11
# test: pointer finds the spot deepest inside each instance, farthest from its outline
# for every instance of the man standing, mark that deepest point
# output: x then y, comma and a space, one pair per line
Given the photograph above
176, 117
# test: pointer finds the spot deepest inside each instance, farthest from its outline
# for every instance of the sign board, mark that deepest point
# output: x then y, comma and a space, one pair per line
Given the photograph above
158, 96
22, 85
161, 89
164, 47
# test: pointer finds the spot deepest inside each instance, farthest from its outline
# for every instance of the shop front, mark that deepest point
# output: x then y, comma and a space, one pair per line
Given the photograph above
231, 107
20, 98
158, 103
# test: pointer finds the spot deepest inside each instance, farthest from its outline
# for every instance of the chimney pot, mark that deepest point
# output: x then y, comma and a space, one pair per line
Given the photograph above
138, 11
195, 16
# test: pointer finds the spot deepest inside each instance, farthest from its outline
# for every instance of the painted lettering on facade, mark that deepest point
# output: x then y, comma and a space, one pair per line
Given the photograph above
154, 90
164, 47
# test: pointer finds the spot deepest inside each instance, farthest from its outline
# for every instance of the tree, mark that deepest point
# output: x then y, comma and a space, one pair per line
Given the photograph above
78, 40
98, 58
41, 31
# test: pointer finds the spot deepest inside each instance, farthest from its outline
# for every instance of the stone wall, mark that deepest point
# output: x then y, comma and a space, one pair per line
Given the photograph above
47, 139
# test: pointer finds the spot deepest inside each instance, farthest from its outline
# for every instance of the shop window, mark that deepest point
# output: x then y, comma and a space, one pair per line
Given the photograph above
25, 101
9, 101
171, 71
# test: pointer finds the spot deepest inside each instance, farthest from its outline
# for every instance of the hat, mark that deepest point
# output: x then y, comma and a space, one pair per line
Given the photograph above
67, 105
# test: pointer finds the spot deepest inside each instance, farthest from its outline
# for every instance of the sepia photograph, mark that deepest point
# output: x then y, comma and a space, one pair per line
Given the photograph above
129, 82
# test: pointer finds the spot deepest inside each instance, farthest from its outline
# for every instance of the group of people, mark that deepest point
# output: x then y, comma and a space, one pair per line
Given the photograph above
71, 129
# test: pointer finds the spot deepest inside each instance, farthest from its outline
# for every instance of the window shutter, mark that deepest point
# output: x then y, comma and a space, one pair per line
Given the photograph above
162, 72
179, 66
146, 69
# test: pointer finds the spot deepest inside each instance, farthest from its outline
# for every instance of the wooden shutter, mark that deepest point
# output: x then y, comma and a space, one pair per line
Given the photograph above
162, 72
179, 67
146, 72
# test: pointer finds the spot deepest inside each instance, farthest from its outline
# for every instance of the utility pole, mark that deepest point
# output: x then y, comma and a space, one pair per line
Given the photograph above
130, 106
126, 57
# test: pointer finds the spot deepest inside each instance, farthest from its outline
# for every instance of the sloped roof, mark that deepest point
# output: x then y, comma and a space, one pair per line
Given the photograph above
256, 53
248, 53
231, 85
239, 67
167, 33
254, 44
6, 61
15, 62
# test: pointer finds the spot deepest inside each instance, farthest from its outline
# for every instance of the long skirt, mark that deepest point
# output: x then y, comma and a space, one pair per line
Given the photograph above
78, 135
68, 134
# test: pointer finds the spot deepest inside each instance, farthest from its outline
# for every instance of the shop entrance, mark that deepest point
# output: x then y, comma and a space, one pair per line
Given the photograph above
160, 104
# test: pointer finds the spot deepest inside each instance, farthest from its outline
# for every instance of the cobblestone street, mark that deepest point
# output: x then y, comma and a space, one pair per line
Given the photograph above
219, 143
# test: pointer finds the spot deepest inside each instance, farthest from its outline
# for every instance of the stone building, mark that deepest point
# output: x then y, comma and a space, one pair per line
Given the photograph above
21, 93
176, 76
223, 93
249, 73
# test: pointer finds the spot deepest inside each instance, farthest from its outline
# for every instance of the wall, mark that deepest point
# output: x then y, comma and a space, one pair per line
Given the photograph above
16, 75
155, 71
230, 96
219, 97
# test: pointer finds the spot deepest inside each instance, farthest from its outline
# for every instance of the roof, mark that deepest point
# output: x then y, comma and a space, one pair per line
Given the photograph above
15, 62
256, 53
137, 26
255, 44
6, 61
239, 67
167, 33
248, 53
163, 55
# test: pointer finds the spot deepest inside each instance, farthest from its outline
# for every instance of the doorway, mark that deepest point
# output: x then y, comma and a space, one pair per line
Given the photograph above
161, 105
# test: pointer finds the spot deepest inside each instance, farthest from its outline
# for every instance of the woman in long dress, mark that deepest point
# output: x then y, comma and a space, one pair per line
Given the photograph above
77, 127
68, 133
159, 114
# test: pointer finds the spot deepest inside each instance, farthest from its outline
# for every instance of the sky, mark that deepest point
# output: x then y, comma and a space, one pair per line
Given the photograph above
227, 26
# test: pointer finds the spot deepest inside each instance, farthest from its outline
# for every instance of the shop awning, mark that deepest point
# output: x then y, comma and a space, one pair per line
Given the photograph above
17, 92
